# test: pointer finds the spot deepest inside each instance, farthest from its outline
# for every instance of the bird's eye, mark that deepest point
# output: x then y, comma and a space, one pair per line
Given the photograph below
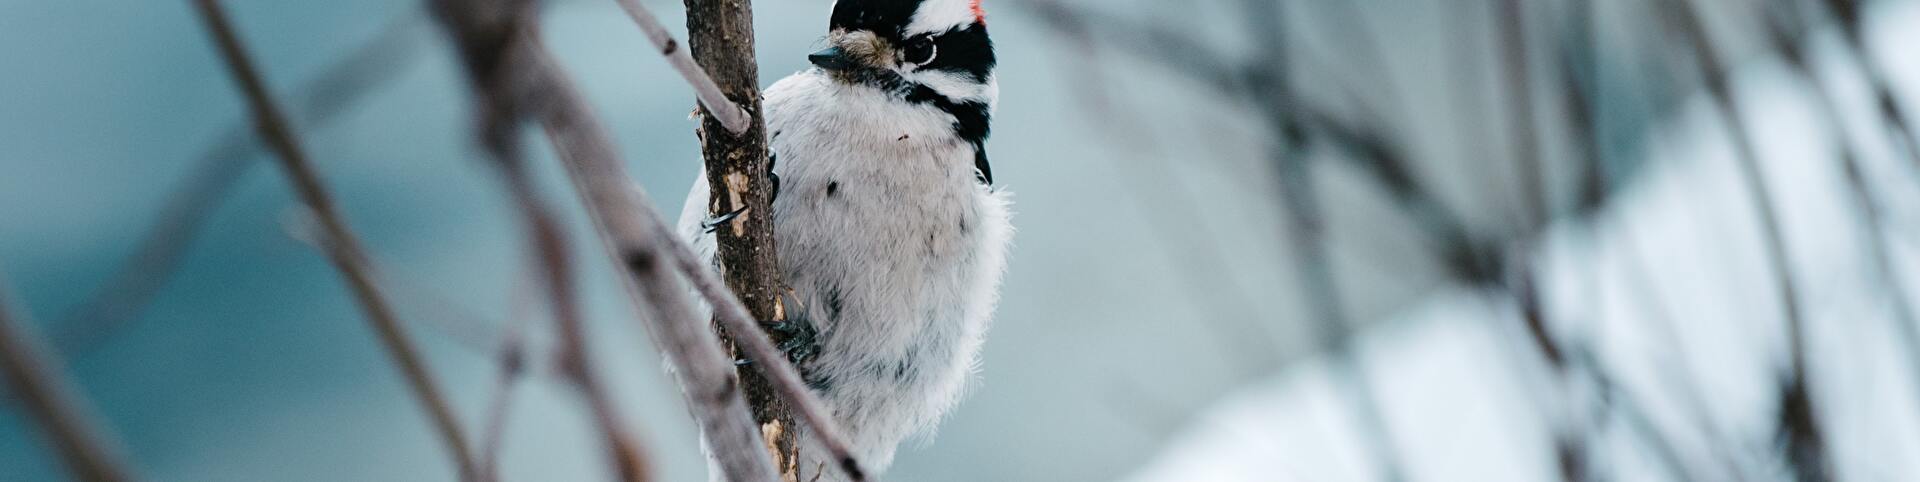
920, 51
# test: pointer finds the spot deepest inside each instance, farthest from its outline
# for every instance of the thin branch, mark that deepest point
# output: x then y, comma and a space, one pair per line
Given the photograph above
513, 365
729, 114
510, 29
1305, 229
1781, 32
1580, 71
626, 221
1511, 21
1512, 24
219, 168
1799, 425
630, 461
50, 397
1385, 162
636, 235
1891, 112
630, 229
1200, 261
344, 247
740, 180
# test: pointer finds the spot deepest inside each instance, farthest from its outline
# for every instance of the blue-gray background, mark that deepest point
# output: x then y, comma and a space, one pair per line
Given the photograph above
1120, 313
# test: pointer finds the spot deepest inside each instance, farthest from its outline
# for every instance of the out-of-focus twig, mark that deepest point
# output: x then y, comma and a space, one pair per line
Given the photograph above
90, 453
505, 33
1892, 113
513, 364
220, 167
1800, 427
1384, 161
740, 180
343, 247
1196, 256
1512, 25
1305, 233
632, 233
1782, 29
729, 114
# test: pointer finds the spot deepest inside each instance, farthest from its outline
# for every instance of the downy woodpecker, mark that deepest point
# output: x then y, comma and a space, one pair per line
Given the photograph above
889, 229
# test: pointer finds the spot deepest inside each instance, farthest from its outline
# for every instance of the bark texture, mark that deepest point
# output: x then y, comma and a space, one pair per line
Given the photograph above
720, 34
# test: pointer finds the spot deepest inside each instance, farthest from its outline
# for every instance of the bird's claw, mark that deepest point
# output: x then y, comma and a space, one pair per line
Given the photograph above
713, 223
795, 336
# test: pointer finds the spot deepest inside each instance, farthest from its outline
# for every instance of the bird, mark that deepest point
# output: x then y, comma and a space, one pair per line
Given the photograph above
890, 231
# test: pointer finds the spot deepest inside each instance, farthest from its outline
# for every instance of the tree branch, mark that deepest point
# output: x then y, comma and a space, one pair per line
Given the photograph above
1305, 234
509, 30
1800, 426
343, 247
730, 115
1890, 110
1373, 153
1781, 32
219, 168
631, 231
51, 399
739, 172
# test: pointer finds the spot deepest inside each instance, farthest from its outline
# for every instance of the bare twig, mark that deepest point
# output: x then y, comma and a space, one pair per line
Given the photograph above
90, 453
630, 461
634, 236
1799, 423
513, 364
1196, 256
1512, 24
1306, 239
1782, 31
739, 172
1511, 21
509, 29
133, 286
1580, 71
1384, 161
1892, 113
631, 230
729, 114
343, 246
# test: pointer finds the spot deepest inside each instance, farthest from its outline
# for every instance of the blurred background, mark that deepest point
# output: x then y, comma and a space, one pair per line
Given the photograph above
1258, 240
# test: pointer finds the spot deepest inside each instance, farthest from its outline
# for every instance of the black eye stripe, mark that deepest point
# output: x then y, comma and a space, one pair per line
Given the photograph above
966, 50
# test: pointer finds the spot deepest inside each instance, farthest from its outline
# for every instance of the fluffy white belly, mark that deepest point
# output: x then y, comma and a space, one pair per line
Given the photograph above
891, 245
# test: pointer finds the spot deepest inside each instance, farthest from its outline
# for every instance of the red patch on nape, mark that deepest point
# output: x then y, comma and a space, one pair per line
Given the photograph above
979, 14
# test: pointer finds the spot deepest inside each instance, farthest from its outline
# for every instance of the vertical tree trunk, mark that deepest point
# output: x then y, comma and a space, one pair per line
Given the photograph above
720, 33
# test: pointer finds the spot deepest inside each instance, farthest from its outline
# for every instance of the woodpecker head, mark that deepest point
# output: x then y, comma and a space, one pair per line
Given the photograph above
908, 45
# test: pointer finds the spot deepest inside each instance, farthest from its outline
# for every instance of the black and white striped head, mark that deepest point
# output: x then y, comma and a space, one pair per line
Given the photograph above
904, 45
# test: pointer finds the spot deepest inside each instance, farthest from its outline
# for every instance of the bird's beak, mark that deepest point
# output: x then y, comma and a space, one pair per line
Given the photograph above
833, 59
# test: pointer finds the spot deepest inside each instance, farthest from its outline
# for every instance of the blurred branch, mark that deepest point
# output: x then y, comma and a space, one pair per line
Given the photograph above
53, 402
1512, 25
1570, 441
1892, 113
494, 37
512, 359
1197, 258
1306, 239
1799, 425
1781, 31
634, 234
343, 247
1255, 83
730, 115
132, 287
740, 180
